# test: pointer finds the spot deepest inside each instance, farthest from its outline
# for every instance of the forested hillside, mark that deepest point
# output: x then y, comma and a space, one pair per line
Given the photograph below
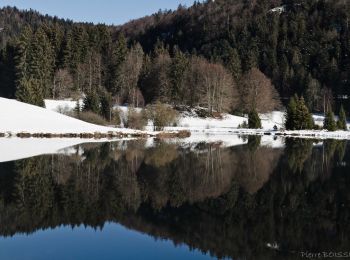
304, 46
226, 55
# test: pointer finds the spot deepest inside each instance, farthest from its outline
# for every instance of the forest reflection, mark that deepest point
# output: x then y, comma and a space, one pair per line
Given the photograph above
228, 201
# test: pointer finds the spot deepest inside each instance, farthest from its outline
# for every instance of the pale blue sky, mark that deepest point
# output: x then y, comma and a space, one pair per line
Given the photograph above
97, 11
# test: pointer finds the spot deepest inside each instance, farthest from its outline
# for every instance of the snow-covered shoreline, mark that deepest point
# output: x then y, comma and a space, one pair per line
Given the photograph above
25, 120
315, 134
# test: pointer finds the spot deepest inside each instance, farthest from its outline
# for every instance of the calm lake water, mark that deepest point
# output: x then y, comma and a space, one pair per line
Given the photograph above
129, 200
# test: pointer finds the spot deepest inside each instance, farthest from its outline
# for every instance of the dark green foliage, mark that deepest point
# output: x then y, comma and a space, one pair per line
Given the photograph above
106, 105
77, 108
303, 116
116, 57
291, 113
92, 102
254, 142
298, 150
234, 64
178, 69
341, 124
34, 66
254, 121
329, 122
298, 116
29, 91
7, 72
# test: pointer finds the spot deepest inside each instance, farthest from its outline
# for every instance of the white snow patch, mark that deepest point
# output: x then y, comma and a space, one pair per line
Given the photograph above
62, 106
227, 123
17, 117
279, 9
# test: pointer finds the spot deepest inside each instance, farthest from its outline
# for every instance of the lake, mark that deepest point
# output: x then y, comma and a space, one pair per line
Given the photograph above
175, 200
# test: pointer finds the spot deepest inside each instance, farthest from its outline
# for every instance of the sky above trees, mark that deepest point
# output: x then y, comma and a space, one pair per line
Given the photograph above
101, 11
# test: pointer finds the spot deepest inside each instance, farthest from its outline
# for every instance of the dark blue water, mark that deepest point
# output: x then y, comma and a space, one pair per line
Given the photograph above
113, 241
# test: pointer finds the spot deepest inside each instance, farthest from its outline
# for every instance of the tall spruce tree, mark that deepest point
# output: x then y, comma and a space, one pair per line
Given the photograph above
178, 69
329, 122
254, 121
118, 52
234, 64
298, 116
303, 117
342, 119
92, 102
290, 123
34, 65
106, 105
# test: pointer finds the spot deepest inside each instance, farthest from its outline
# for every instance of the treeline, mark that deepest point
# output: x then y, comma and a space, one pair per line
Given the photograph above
203, 55
52, 61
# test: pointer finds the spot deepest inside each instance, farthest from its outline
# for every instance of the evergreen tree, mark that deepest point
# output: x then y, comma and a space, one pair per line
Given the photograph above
303, 116
92, 102
254, 121
29, 91
298, 116
342, 119
34, 65
77, 108
118, 52
106, 105
329, 122
234, 64
178, 68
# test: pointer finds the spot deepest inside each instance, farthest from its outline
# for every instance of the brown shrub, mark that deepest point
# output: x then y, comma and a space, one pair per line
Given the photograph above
92, 118
136, 120
162, 115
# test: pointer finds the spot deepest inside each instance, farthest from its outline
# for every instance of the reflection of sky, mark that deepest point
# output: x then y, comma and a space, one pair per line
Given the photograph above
113, 242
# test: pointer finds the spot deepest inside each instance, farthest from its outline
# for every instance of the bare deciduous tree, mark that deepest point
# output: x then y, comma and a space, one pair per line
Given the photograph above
215, 84
257, 92
63, 84
131, 69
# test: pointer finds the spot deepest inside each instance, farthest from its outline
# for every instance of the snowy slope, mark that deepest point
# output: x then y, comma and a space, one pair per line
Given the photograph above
19, 117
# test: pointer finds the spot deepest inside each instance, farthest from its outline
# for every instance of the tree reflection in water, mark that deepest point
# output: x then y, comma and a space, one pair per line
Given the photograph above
226, 201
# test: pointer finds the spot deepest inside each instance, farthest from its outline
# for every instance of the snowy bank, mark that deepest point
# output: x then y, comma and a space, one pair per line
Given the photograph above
17, 117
